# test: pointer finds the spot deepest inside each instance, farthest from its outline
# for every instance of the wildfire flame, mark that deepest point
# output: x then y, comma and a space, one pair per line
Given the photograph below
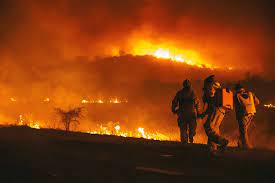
100, 101
22, 121
46, 100
141, 131
85, 101
12, 99
171, 52
112, 128
138, 133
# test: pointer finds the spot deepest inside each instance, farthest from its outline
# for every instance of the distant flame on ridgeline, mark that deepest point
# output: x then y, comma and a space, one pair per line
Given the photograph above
171, 52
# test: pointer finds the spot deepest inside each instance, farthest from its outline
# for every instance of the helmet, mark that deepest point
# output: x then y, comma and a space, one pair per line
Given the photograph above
209, 80
186, 83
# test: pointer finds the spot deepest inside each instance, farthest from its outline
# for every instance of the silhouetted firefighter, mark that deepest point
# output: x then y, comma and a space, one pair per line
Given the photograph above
245, 104
69, 117
186, 105
217, 100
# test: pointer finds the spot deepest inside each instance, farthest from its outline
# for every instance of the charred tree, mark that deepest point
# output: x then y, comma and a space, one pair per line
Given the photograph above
67, 118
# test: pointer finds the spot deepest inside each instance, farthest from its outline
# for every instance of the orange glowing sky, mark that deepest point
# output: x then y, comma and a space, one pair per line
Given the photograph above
214, 34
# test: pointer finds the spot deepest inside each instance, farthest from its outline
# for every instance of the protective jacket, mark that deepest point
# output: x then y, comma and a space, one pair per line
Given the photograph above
245, 103
186, 102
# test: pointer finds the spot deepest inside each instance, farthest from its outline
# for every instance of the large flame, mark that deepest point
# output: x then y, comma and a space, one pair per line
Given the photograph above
23, 121
171, 52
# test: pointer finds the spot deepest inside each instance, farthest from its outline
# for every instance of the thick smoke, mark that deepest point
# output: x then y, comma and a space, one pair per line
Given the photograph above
64, 50
224, 32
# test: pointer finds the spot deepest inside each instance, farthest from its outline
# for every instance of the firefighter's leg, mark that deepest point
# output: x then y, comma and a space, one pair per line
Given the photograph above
246, 124
217, 138
243, 132
183, 133
212, 145
213, 128
192, 129
183, 130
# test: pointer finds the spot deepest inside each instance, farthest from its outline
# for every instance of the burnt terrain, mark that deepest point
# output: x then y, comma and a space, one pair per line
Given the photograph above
30, 155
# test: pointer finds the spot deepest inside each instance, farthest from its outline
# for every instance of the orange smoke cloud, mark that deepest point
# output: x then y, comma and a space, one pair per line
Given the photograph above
223, 33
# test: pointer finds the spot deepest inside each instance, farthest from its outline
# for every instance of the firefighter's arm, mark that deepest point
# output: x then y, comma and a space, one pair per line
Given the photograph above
205, 111
235, 101
175, 104
197, 105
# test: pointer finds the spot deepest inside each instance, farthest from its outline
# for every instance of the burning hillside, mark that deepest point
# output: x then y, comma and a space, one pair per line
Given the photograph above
172, 53
134, 92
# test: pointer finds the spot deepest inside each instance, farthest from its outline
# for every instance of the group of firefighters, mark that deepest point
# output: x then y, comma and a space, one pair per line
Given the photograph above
217, 100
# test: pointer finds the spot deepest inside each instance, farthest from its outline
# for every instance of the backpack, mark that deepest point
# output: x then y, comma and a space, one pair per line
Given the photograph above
247, 102
224, 98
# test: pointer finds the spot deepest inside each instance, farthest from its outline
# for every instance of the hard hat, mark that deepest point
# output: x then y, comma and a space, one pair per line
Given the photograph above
186, 83
210, 79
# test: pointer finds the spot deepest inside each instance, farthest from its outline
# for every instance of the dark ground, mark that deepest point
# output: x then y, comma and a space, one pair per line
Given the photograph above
30, 155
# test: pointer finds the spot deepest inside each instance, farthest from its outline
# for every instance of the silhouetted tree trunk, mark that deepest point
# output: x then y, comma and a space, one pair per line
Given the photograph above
69, 117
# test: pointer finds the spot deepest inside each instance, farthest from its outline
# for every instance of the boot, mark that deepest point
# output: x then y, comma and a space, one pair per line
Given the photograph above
191, 140
224, 144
